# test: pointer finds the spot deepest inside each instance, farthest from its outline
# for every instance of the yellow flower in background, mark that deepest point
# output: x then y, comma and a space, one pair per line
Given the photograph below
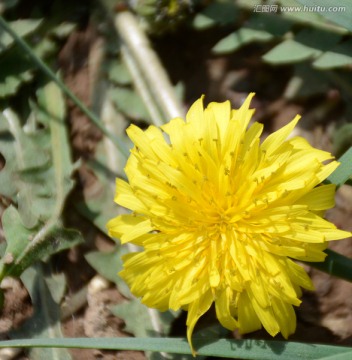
219, 216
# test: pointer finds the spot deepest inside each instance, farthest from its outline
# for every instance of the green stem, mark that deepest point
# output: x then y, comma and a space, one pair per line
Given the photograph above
156, 79
224, 348
141, 87
51, 75
336, 265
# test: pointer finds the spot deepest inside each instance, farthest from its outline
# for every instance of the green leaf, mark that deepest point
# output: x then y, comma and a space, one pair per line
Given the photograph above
239, 38
15, 69
339, 56
118, 73
335, 264
16, 235
259, 28
35, 230
45, 321
289, 52
342, 139
29, 159
39, 163
308, 81
26, 246
63, 30
217, 13
203, 22
99, 206
270, 23
340, 17
7, 4
346, 356
108, 265
308, 44
56, 284
225, 348
138, 319
45, 47
294, 11
21, 27
129, 103
344, 171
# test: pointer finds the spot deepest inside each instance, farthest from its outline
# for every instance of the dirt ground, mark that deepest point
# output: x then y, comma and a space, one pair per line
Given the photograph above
325, 315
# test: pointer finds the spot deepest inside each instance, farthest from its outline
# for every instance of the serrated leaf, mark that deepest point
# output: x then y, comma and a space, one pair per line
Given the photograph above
49, 186
340, 16
8, 187
17, 235
270, 23
339, 56
308, 44
11, 83
259, 28
21, 27
239, 38
42, 175
26, 246
15, 69
293, 10
45, 321
45, 47
289, 52
221, 13
52, 106
27, 156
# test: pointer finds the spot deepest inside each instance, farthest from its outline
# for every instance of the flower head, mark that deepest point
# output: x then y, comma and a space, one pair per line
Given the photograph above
220, 216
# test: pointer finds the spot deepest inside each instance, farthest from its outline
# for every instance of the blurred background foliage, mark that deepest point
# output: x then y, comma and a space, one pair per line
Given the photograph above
57, 170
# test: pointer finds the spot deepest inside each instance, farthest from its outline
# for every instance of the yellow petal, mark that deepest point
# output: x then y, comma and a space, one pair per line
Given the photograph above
195, 310
298, 275
126, 198
275, 140
247, 318
265, 315
285, 317
128, 227
243, 114
319, 198
221, 113
223, 311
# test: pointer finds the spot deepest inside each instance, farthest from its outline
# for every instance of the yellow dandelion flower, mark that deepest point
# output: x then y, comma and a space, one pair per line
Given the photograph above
219, 216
